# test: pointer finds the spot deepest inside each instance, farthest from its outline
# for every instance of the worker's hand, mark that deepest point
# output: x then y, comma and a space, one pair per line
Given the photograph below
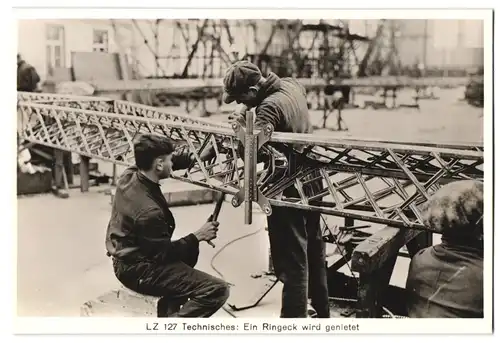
237, 117
208, 231
208, 153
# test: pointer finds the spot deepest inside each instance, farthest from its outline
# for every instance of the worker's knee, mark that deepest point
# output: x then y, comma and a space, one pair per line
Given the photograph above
298, 275
222, 293
218, 294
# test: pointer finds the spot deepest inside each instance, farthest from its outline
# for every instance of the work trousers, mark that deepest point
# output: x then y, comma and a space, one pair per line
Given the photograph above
298, 254
177, 283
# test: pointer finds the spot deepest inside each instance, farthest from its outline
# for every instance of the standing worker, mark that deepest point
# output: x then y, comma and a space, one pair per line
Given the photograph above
27, 77
297, 247
138, 237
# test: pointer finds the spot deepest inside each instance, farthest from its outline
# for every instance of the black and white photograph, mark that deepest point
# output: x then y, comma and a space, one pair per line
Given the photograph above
230, 173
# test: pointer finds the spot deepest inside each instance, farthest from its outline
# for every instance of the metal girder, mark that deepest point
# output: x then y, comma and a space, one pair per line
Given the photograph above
378, 182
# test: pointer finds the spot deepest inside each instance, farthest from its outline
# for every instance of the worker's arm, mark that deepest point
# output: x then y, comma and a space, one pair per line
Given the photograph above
182, 157
156, 242
265, 114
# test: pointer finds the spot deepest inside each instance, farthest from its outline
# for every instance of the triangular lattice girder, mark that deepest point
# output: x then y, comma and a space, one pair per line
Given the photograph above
373, 181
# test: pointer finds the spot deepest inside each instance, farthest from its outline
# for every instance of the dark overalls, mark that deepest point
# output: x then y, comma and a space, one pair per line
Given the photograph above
297, 248
147, 261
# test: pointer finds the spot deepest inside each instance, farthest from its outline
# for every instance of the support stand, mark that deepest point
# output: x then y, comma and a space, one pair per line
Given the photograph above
252, 142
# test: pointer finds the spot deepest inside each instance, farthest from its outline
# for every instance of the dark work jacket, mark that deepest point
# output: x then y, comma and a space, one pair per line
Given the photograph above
283, 104
141, 224
446, 281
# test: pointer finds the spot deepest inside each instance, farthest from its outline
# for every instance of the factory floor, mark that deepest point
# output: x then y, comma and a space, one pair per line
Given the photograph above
61, 259
62, 263
61, 255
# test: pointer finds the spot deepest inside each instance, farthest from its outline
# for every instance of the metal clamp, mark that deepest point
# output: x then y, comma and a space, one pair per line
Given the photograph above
252, 141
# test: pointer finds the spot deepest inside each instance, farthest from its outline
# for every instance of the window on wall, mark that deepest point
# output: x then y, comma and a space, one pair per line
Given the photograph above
100, 41
55, 53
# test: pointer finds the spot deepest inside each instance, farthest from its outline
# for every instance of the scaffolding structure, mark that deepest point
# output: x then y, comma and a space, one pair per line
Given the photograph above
204, 48
187, 48
322, 54
323, 50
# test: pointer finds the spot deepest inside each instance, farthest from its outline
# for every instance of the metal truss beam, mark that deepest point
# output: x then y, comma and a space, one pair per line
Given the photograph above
378, 182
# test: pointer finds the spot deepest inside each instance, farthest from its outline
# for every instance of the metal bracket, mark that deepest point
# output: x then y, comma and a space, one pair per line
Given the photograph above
252, 142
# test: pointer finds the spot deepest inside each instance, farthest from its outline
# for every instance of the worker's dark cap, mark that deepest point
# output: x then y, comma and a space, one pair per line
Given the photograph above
239, 78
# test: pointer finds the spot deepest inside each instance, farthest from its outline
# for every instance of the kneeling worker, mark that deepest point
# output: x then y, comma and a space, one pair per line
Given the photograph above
138, 237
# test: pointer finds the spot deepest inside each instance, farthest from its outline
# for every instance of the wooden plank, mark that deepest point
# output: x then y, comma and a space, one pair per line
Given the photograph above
374, 259
178, 85
94, 65
216, 83
372, 287
373, 252
120, 302
68, 167
114, 177
60, 188
84, 173
421, 241
123, 67
58, 165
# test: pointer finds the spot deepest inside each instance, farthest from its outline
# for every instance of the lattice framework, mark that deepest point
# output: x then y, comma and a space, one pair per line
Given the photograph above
378, 182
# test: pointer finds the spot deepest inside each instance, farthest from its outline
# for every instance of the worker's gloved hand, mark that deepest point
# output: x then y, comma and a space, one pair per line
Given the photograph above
208, 231
208, 153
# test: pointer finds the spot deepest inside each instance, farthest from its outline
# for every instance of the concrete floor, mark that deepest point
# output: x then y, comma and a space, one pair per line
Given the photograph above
62, 261
61, 254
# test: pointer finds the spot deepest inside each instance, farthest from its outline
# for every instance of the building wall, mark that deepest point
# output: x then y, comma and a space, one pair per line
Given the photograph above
136, 39
436, 43
77, 37
453, 43
442, 43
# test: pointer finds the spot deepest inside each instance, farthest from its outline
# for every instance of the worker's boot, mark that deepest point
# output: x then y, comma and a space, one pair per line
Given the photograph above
311, 312
169, 307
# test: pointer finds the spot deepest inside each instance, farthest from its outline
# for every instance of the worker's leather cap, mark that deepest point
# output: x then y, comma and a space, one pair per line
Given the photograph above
456, 209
